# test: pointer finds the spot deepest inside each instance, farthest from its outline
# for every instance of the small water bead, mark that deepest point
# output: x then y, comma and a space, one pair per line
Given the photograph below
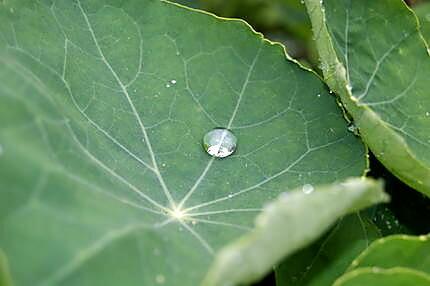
160, 279
220, 142
353, 128
173, 81
307, 188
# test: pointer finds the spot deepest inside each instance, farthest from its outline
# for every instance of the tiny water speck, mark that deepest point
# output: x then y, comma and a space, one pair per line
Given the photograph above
173, 81
220, 142
160, 279
353, 128
307, 188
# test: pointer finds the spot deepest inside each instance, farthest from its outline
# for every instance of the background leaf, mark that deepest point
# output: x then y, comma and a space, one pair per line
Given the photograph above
288, 224
374, 57
381, 277
5, 279
397, 251
423, 13
328, 258
103, 106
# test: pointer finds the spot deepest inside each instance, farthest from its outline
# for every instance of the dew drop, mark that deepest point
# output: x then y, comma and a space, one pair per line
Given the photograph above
352, 128
318, 95
160, 279
428, 113
307, 188
173, 81
168, 85
220, 142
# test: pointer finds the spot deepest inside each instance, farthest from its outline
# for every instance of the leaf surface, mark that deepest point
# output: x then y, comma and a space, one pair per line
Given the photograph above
374, 57
103, 107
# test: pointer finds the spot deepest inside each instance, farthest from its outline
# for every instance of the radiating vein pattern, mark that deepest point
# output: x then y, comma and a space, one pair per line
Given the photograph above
110, 104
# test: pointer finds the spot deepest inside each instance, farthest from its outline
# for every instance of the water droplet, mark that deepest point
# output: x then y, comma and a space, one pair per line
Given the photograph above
427, 113
220, 142
307, 188
160, 279
167, 85
352, 128
319, 95
194, 222
173, 81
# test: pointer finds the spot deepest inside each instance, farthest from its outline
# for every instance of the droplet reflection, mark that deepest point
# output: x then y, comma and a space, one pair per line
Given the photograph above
307, 188
220, 142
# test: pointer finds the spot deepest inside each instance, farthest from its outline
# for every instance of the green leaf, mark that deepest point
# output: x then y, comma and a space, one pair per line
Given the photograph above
288, 224
328, 258
383, 277
423, 13
397, 251
103, 107
374, 57
5, 279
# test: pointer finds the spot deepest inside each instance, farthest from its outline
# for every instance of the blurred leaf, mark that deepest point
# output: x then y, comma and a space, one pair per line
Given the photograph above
288, 224
5, 279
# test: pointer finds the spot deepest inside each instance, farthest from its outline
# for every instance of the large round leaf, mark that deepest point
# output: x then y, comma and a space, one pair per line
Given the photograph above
103, 108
